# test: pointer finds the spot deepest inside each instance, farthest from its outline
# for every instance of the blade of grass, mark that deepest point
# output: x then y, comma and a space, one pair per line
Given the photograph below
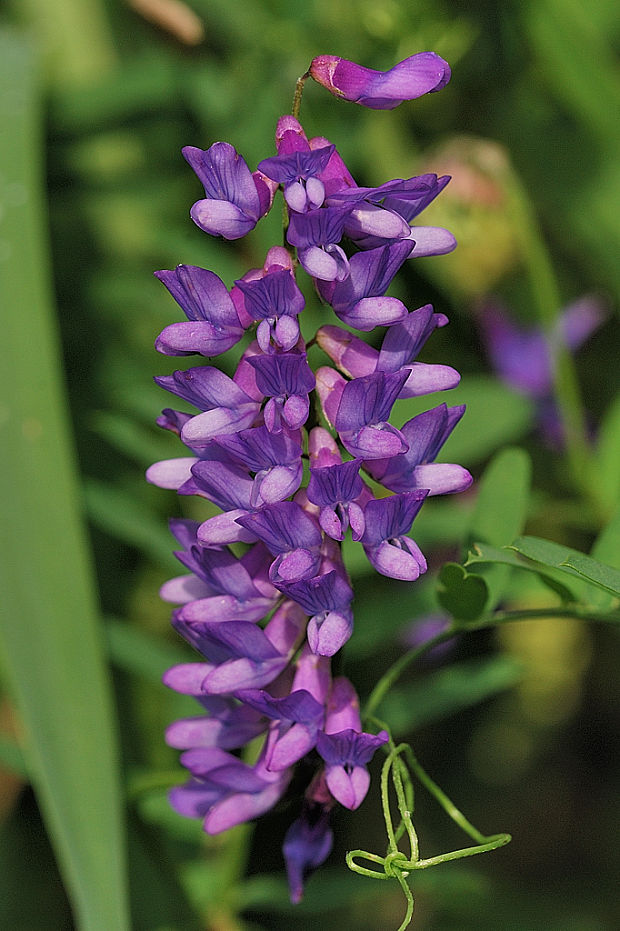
49, 627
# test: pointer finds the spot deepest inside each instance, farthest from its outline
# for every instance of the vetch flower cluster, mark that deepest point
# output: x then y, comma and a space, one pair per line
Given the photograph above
268, 600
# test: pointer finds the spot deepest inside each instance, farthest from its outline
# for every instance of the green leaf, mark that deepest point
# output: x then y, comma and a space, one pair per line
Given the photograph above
442, 693
570, 562
50, 632
491, 555
495, 415
501, 506
500, 510
462, 594
608, 458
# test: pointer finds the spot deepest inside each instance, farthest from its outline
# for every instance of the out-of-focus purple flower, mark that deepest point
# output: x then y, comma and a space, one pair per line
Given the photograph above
522, 356
275, 301
307, 844
224, 791
385, 540
414, 469
212, 324
420, 74
359, 300
363, 413
235, 198
424, 628
286, 379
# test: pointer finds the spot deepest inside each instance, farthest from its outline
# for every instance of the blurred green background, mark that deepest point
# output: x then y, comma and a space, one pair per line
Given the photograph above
520, 727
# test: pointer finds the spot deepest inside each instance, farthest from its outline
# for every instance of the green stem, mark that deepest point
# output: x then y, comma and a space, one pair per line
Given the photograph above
389, 678
299, 89
547, 301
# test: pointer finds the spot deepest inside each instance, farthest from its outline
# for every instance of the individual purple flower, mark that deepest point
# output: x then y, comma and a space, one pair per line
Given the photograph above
307, 844
224, 791
292, 535
420, 74
240, 472
235, 198
228, 725
247, 657
327, 600
299, 173
286, 380
275, 301
212, 324
401, 344
300, 714
384, 213
335, 488
316, 235
414, 469
363, 412
385, 540
344, 748
359, 300
226, 407
522, 357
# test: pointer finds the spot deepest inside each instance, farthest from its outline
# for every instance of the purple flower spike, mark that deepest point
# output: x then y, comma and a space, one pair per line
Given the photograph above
286, 379
346, 755
359, 300
363, 413
235, 200
228, 726
334, 489
307, 844
274, 300
291, 535
389, 550
420, 74
212, 324
425, 434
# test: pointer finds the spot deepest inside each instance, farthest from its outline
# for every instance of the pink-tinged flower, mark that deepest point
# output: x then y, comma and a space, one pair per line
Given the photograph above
420, 74
345, 748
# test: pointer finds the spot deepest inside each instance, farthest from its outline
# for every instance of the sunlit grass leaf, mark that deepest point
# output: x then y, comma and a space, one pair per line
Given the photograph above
49, 628
118, 513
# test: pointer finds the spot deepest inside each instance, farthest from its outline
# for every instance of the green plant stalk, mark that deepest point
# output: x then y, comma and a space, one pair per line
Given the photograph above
547, 301
396, 670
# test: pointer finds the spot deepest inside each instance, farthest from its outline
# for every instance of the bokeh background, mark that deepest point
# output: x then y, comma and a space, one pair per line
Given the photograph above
519, 726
